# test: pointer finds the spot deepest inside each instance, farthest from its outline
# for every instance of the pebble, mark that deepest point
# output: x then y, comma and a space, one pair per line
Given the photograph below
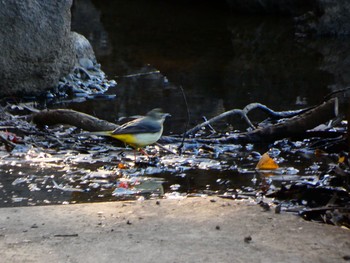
248, 239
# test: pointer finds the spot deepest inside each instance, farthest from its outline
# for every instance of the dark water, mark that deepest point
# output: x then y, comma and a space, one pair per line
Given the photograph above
221, 60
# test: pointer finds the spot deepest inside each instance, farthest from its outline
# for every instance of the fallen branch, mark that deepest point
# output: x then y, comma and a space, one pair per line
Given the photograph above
74, 118
244, 112
297, 125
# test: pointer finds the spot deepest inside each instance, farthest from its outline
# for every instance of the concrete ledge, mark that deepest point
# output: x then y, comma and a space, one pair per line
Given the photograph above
189, 230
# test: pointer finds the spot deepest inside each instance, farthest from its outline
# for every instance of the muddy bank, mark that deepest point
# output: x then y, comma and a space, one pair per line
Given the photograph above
188, 230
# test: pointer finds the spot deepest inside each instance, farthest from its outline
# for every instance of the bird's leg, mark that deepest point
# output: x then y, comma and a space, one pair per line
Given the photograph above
134, 156
143, 152
149, 156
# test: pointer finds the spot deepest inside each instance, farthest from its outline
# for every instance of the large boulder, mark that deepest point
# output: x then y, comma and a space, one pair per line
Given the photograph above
36, 45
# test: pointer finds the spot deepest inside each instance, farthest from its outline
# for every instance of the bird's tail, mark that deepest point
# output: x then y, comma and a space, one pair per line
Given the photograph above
101, 133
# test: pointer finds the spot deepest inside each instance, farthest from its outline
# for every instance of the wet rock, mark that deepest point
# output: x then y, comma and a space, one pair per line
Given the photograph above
84, 53
36, 45
86, 80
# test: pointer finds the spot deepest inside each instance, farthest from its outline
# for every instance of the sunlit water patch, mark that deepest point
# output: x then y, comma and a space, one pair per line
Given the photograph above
106, 173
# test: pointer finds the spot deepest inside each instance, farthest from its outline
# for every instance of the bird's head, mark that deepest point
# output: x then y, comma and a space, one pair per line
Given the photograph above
158, 114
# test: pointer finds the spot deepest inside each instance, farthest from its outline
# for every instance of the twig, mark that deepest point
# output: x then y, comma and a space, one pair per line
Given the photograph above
335, 92
66, 189
210, 127
219, 117
139, 74
164, 148
188, 120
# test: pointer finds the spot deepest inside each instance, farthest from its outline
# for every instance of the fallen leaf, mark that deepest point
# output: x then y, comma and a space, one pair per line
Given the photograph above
122, 166
123, 185
341, 159
266, 163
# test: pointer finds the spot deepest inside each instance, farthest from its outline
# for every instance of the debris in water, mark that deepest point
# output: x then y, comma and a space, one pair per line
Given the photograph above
266, 163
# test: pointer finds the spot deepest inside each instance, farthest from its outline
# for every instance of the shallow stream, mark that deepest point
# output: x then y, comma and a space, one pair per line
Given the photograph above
156, 49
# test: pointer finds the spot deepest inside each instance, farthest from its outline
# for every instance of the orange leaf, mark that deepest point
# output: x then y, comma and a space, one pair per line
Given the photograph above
266, 163
121, 166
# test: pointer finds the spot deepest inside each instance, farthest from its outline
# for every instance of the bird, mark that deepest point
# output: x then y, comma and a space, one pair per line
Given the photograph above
140, 132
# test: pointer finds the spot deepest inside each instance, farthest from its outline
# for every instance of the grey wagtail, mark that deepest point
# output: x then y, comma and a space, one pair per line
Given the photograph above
140, 132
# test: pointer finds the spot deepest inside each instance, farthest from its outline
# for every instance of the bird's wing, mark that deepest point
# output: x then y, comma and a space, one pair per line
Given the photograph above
138, 126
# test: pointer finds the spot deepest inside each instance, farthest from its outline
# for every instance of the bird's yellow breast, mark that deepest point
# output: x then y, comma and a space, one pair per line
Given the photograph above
138, 140
126, 138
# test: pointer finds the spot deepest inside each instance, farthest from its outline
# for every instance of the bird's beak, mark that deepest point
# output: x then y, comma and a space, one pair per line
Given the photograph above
167, 115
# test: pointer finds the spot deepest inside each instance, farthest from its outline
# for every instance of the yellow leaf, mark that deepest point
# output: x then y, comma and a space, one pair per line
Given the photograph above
341, 159
266, 163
